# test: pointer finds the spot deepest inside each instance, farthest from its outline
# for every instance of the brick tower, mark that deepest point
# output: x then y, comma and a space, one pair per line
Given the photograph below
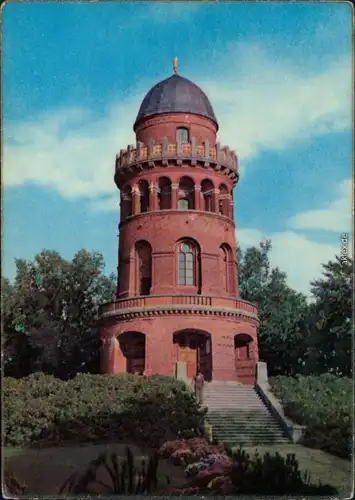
177, 305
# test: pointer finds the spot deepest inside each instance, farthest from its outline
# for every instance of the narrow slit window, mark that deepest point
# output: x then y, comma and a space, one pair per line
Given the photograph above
182, 135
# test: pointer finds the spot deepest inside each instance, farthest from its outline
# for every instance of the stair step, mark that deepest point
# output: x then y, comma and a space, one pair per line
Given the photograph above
251, 428
239, 416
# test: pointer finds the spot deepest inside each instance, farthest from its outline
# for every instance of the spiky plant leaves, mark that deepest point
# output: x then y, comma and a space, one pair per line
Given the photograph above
123, 476
130, 466
111, 472
126, 479
69, 483
116, 473
12, 484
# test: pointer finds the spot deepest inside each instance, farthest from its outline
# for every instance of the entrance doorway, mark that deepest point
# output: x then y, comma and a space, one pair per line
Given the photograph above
244, 359
132, 346
193, 347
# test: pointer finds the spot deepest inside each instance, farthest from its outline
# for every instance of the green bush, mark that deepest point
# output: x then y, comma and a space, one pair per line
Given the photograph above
272, 474
324, 405
91, 408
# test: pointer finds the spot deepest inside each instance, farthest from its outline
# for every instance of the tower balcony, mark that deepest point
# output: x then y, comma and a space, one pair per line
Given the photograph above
146, 156
154, 305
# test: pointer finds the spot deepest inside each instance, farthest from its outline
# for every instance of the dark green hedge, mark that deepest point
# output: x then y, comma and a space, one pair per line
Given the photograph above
41, 409
322, 403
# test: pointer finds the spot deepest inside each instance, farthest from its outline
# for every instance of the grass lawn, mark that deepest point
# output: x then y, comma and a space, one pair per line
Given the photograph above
45, 470
320, 465
13, 452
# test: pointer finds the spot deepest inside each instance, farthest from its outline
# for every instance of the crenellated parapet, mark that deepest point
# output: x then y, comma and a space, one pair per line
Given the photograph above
146, 156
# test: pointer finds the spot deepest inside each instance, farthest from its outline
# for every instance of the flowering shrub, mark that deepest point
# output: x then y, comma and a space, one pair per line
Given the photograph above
88, 408
324, 405
167, 449
209, 461
243, 474
182, 456
188, 451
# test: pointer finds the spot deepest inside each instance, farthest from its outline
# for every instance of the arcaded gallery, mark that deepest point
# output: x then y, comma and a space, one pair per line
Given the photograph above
177, 307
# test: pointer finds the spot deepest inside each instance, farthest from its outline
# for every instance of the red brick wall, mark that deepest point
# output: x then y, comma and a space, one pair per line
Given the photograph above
160, 350
162, 230
165, 125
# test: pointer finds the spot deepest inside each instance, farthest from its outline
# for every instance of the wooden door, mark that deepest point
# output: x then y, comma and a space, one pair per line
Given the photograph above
189, 356
136, 356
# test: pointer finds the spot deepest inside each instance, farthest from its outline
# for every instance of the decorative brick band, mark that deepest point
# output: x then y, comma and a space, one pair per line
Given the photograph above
140, 312
134, 160
226, 219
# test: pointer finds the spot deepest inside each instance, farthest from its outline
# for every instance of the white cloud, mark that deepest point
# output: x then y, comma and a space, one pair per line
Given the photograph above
68, 150
298, 255
268, 103
295, 254
261, 103
335, 216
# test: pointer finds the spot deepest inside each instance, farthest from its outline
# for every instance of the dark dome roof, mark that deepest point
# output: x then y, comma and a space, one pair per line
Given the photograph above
175, 95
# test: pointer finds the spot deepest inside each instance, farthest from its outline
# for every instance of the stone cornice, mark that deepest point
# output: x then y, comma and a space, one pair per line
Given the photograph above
182, 213
142, 312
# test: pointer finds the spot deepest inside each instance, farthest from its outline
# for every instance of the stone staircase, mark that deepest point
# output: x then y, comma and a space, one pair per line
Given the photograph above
239, 417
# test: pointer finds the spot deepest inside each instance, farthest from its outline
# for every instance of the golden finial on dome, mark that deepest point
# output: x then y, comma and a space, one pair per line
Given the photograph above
176, 65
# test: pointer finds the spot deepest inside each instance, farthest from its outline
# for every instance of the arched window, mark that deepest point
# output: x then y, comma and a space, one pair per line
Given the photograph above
207, 189
126, 202
186, 194
164, 196
223, 201
242, 346
183, 204
182, 135
144, 267
186, 264
144, 195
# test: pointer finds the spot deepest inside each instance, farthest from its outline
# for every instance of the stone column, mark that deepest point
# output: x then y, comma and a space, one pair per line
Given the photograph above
153, 197
136, 195
231, 208
118, 361
112, 359
174, 191
216, 201
197, 197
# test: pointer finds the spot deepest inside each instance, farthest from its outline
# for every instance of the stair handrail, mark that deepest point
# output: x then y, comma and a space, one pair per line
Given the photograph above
294, 431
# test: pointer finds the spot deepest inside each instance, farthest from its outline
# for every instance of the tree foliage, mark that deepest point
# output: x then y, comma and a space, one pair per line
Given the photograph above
51, 312
330, 319
323, 404
297, 336
283, 341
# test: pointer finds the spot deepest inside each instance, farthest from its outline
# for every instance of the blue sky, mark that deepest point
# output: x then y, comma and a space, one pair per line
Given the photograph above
278, 76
